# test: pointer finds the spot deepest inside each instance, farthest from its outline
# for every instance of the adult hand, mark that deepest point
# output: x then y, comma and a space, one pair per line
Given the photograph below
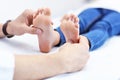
22, 24
74, 56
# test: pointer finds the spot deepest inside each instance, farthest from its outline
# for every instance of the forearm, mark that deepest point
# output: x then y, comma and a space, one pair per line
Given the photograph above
1, 32
34, 67
8, 29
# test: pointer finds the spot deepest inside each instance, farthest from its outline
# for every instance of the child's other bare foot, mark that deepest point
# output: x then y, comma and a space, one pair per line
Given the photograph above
46, 34
70, 28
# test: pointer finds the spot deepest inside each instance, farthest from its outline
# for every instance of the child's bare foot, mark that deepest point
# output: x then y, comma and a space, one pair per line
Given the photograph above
46, 34
70, 28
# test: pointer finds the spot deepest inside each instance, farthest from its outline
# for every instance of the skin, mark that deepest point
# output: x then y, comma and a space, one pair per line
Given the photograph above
66, 60
69, 58
69, 26
20, 25
43, 21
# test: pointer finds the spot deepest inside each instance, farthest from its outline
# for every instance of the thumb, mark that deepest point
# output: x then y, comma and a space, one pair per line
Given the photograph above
30, 30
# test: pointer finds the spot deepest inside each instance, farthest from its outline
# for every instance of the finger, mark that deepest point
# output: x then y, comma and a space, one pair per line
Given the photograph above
35, 14
30, 30
29, 16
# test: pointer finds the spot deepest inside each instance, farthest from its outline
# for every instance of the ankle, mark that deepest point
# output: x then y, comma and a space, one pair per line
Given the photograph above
57, 38
84, 41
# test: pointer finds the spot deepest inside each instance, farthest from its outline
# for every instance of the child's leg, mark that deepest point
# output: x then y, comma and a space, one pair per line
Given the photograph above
55, 37
104, 29
47, 37
90, 16
86, 19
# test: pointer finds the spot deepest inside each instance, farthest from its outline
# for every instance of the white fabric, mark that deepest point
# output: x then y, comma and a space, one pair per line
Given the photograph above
6, 66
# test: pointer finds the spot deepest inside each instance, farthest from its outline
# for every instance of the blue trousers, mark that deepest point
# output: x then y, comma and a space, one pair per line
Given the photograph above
97, 24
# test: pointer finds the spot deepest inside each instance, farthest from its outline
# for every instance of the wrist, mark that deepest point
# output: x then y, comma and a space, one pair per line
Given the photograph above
6, 29
9, 28
64, 62
57, 38
59, 61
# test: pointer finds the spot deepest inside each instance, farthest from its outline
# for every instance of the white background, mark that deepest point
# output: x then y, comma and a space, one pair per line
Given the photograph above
104, 63
10, 9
